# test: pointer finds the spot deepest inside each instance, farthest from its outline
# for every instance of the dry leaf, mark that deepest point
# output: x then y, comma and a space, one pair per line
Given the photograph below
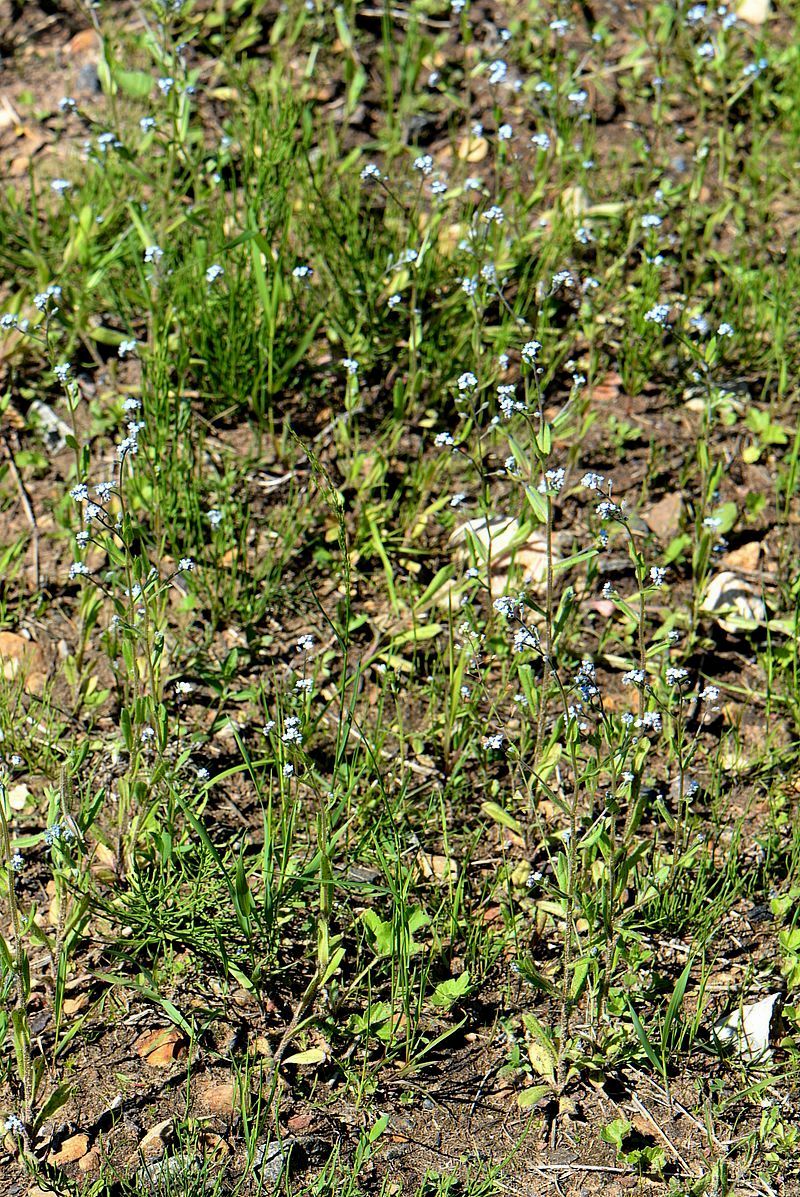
754, 12
473, 149
749, 1028
18, 797
449, 236
434, 867
603, 607
500, 535
18, 655
734, 602
159, 1049
103, 863
75, 1005
71, 1149
9, 117
498, 531
531, 558
105, 855
574, 200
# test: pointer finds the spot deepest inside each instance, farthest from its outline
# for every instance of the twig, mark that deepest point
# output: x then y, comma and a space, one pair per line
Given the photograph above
576, 1167
481, 1087
27, 507
643, 1110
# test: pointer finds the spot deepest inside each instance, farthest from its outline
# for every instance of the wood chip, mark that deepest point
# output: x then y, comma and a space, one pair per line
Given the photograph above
84, 47
435, 867
75, 1005
91, 1161
214, 1145
607, 388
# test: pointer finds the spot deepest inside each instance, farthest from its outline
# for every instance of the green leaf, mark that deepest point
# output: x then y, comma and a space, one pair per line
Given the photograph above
552, 755
379, 931
58, 1098
432, 589
727, 514
379, 1127
21, 1038
169, 1008
448, 992
575, 559
417, 920
418, 634
537, 503
616, 1131
641, 1035
333, 964
125, 726
675, 1003
106, 336
495, 812
136, 84
532, 1095
29, 457
579, 975
104, 75
541, 1048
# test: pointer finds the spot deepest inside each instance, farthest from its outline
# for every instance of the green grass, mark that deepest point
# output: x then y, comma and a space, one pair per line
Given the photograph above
415, 814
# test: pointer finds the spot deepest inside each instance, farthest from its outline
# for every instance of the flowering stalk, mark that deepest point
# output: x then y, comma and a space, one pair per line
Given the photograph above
20, 965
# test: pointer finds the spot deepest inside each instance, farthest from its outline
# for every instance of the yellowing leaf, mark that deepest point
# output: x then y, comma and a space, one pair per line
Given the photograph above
314, 1055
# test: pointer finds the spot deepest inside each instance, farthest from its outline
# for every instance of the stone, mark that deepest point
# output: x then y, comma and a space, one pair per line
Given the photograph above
160, 1049
155, 1141
70, 1151
216, 1097
663, 517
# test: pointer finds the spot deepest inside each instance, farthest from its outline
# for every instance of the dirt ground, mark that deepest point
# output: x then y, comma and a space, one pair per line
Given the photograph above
455, 1115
